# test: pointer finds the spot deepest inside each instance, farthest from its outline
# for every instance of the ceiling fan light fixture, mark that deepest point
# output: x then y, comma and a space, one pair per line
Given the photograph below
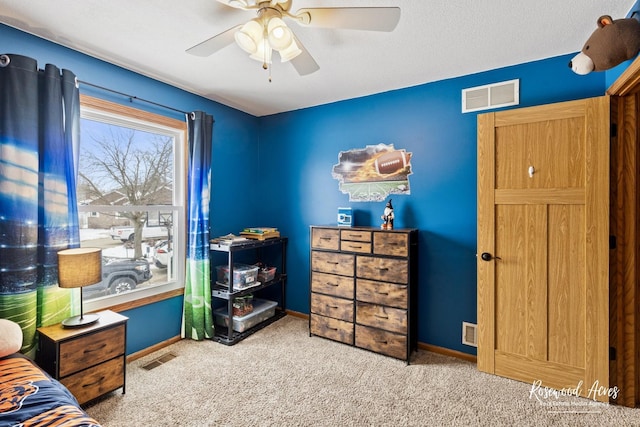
263, 54
280, 36
290, 52
249, 37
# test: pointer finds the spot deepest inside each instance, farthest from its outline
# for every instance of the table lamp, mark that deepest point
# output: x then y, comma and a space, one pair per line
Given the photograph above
77, 268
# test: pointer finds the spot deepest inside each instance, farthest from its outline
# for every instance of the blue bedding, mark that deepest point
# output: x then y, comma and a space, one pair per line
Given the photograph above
30, 397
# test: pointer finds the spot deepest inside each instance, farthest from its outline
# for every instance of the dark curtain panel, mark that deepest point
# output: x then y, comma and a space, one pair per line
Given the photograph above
39, 136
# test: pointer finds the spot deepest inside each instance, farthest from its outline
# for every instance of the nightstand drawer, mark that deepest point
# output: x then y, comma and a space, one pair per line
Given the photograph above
96, 381
337, 308
330, 284
325, 238
89, 350
334, 263
375, 292
380, 316
337, 330
386, 269
384, 342
396, 244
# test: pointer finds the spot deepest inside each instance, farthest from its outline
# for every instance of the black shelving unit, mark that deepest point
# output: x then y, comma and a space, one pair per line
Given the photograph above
227, 293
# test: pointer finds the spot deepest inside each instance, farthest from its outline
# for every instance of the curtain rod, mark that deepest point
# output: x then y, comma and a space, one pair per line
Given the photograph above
131, 97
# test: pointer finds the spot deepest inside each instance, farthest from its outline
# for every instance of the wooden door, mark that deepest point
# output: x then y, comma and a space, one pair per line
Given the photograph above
543, 242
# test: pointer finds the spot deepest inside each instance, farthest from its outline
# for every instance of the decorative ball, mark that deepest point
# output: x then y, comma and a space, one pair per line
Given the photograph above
391, 162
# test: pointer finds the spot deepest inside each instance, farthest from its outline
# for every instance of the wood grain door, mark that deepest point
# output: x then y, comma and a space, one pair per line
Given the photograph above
543, 244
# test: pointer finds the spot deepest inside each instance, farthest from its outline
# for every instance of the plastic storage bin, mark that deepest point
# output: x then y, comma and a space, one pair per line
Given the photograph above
262, 310
244, 276
266, 274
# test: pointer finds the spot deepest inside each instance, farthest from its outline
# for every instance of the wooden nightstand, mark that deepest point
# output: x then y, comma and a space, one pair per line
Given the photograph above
89, 361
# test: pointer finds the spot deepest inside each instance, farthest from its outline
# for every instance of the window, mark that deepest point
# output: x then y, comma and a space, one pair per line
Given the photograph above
131, 201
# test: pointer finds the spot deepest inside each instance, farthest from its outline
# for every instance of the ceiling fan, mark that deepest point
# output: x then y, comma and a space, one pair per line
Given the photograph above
268, 32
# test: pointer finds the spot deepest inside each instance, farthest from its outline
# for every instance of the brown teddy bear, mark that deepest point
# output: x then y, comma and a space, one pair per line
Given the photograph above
613, 42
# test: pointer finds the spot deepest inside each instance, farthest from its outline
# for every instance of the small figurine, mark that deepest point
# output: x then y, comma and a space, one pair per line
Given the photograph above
387, 217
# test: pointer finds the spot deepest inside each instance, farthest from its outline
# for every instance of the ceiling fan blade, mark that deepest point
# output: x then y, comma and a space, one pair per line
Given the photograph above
215, 43
355, 18
237, 4
304, 62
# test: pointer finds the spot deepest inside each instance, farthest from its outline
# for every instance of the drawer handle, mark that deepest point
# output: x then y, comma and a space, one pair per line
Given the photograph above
382, 342
356, 247
326, 238
382, 293
332, 262
333, 284
335, 307
381, 317
98, 381
333, 329
384, 269
87, 350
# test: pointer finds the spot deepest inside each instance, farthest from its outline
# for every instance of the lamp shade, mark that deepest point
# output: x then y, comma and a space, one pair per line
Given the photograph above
280, 36
249, 36
79, 267
291, 52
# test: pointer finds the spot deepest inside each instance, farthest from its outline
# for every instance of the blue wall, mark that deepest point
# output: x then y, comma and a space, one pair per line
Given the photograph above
285, 160
302, 146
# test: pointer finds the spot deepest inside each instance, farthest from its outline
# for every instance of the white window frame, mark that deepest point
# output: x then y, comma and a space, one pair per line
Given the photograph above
117, 114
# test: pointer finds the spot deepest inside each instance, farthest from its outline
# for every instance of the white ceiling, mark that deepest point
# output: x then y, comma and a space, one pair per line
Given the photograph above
434, 40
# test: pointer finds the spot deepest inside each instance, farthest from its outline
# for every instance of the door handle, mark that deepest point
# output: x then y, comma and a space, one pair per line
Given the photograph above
486, 256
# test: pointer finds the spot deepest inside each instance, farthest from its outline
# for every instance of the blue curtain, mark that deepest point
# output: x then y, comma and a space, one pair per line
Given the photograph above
39, 137
197, 320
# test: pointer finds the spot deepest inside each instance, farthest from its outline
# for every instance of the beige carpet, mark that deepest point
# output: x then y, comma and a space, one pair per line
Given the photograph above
282, 377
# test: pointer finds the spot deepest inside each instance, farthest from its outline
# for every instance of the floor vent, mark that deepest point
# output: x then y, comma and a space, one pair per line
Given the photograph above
470, 334
159, 361
494, 95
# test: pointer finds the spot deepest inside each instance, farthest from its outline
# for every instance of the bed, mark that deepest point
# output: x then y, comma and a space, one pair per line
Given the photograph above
30, 397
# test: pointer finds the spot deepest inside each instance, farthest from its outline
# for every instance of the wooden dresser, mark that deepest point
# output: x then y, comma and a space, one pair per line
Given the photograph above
363, 288
90, 360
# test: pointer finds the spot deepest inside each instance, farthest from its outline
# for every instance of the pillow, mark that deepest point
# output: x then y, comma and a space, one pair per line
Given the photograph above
10, 337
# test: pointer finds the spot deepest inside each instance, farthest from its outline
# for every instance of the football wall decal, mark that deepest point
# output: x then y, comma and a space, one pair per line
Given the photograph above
391, 162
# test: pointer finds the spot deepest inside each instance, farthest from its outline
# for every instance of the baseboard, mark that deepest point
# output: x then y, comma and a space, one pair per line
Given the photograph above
155, 347
448, 352
297, 314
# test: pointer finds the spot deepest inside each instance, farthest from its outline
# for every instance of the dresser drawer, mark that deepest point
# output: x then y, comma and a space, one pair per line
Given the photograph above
89, 350
325, 238
93, 382
356, 235
384, 293
385, 269
334, 263
380, 316
360, 247
330, 284
338, 308
396, 244
394, 345
337, 330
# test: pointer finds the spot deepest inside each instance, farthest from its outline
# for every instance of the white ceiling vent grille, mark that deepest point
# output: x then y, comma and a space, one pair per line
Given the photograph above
494, 95
470, 334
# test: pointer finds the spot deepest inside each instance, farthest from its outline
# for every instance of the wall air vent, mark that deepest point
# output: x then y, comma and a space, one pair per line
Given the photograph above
494, 95
470, 334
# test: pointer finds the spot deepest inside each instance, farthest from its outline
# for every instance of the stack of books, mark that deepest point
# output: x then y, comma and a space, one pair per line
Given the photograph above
229, 239
260, 233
